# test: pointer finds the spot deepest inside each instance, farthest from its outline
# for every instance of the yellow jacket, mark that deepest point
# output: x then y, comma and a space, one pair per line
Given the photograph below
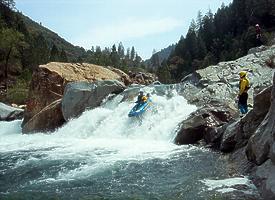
244, 85
144, 98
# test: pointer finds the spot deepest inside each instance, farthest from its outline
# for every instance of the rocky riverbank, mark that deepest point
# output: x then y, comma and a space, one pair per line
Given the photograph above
249, 140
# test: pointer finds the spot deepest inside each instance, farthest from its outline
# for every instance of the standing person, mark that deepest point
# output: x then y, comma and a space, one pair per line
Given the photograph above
243, 96
258, 31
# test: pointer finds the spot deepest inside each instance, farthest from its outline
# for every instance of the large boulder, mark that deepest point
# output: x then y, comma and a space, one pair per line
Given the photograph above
257, 158
264, 179
260, 144
202, 124
47, 120
81, 95
229, 141
49, 81
8, 113
237, 134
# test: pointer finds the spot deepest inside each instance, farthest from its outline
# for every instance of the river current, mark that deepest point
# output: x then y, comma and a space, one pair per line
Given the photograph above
104, 154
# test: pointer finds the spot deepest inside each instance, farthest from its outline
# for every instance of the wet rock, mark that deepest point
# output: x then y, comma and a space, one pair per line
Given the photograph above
202, 124
239, 162
237, 135
47, 120
229, 137
191, 130
8, 113
264, 179
79, 96
213, 137
259, 145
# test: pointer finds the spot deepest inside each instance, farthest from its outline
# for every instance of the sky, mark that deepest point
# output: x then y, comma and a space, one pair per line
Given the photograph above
144, 24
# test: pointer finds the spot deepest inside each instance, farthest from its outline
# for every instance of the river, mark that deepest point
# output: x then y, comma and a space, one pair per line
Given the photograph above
104, 154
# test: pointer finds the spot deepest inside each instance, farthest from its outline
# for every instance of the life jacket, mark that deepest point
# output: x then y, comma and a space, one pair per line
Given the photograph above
144, 98
244, 85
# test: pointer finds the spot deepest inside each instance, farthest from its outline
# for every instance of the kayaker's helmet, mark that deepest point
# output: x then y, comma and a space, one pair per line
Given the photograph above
257, 25
148, 95
140, 92
243, 74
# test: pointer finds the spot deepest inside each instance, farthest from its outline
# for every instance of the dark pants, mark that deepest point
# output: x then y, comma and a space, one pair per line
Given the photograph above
243, 103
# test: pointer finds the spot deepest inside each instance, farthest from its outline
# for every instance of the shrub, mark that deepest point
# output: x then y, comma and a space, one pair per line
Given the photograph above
18, 93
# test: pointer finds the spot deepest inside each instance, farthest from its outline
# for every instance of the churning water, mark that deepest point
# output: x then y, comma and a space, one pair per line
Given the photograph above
104, 154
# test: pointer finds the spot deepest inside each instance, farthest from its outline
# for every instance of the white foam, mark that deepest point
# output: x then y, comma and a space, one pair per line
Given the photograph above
226, 185
102, 136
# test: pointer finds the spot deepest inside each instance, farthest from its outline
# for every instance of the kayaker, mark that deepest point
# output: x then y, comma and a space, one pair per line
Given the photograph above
141, 98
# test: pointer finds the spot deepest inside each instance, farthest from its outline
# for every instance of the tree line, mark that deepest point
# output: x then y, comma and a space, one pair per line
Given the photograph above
25, 44
115, 56
212, 38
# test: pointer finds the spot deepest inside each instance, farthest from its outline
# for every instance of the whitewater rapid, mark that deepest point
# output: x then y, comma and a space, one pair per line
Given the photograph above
104, 135
104, 153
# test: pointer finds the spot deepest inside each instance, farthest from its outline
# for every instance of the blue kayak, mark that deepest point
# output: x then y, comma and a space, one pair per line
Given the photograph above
138, 109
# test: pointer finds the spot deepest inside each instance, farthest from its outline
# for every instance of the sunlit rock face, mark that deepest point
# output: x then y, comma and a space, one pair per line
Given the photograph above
48, 82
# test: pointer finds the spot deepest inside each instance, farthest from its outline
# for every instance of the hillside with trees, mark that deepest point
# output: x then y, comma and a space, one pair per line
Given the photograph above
25, 44
226, 35
158, 57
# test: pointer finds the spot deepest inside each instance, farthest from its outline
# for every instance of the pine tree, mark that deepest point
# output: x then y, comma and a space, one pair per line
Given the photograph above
137, 60
120, 50
114, 56
199, 20
133, 54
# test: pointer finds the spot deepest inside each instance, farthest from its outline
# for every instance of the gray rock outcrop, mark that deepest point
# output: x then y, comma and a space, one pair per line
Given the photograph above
205, 123
261, 143
79, 96
221, 81
257, 157
237, 135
